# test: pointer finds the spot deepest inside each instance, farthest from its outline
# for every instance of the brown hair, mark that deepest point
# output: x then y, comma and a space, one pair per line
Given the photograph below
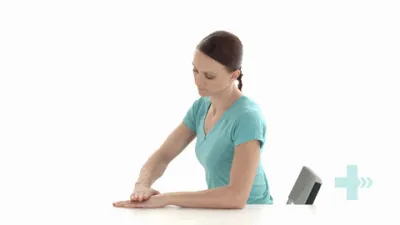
225, 48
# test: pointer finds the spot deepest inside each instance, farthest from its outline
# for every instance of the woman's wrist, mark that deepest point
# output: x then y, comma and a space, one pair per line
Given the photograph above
142, 184
166, 198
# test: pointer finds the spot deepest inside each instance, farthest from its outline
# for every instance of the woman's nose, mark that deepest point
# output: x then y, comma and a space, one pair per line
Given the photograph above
197, 80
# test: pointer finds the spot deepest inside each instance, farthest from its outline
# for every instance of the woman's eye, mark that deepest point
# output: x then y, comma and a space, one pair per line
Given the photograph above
209, 76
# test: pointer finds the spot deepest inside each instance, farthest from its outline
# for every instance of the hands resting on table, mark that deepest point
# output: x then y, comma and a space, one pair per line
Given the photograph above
143, 197
225, 197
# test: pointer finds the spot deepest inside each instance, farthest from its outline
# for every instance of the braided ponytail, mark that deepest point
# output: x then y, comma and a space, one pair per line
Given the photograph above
240, 80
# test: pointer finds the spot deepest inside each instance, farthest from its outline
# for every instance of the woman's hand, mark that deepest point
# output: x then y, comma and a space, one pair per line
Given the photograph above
155, 201
143, 193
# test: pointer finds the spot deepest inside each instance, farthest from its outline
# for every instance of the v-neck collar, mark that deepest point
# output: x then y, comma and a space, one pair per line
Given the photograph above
219, 120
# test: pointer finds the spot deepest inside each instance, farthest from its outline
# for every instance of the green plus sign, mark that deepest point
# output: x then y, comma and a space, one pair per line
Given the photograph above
350, 182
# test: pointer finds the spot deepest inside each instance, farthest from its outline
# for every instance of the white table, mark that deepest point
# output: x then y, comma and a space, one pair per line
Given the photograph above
102, 212
251, 215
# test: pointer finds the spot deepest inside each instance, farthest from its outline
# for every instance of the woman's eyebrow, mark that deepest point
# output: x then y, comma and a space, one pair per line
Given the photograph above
209, 72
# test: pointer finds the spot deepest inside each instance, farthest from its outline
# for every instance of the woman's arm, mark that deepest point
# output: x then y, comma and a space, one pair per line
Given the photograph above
156, 165
232, 196
216, 198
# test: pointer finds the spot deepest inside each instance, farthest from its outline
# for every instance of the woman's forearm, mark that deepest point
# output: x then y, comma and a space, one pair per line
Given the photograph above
156, 165
153, 169
217, 198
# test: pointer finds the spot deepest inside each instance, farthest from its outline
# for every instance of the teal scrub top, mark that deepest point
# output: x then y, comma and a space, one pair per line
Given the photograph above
242, 122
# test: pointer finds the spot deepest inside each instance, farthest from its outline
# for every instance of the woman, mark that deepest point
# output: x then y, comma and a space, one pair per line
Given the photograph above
230, 132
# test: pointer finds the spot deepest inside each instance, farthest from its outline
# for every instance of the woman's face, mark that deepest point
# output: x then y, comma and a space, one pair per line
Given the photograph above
210, 76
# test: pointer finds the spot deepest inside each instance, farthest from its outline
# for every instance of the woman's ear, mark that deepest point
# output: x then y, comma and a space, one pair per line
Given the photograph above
235, 75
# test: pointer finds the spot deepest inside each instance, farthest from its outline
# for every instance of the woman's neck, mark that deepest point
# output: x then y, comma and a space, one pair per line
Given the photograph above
222, 101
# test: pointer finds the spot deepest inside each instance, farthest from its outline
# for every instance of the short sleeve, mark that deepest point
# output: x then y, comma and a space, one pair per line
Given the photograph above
191, 116
249, 126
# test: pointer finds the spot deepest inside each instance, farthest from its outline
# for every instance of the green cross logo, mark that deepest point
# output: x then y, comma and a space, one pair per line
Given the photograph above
352, 182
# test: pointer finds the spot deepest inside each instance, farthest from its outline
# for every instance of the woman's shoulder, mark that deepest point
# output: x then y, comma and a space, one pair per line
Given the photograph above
199, 105
248, 110
248, 104
201, 102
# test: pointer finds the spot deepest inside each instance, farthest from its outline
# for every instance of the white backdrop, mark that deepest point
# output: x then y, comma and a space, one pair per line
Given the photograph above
89, 89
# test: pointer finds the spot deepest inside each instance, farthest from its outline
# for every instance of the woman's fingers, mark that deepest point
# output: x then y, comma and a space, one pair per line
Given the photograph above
133, 196
140, 196
143, 196
119, 204
136, 196
130, 204
125, 204
147, 195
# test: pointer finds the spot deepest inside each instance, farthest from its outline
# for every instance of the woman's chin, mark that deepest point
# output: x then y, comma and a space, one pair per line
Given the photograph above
202, 92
